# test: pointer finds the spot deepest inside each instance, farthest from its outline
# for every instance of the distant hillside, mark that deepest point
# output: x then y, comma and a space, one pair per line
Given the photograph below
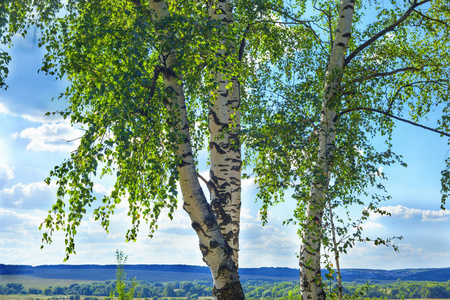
164, 273
442, 274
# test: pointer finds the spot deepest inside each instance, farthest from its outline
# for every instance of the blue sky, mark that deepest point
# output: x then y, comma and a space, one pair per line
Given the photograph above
31, 144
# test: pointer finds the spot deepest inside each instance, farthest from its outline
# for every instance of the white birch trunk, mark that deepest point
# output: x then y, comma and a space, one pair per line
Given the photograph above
224, 126
310, 278
234, 121
215, 250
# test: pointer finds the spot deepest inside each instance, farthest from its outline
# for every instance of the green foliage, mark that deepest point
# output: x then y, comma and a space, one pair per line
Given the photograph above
396, 69
120, 291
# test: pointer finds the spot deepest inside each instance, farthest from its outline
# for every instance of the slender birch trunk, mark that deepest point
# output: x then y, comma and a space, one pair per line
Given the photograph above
234, 121
310, 278
224, 126
215, 250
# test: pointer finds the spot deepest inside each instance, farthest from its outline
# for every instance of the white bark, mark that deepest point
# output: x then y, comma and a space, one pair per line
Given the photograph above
224, 125
215, 250
234, 119
310, 279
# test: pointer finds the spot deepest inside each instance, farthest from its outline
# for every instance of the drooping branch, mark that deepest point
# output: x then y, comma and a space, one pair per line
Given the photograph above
393, 117
381, 33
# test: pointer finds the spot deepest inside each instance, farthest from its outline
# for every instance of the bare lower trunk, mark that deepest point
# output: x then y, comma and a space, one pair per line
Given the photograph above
215, 250
310, 278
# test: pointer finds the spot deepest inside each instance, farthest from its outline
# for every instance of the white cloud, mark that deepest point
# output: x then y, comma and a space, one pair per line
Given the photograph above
373, 226
248, 184
28, 196
39, 118
6, 174
51, 137
101, 189
12, 221
404, 212
44, 118
5, 110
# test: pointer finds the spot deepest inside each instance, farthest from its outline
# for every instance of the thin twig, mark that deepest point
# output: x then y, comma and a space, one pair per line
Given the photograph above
394, 117
431, 19
384, 74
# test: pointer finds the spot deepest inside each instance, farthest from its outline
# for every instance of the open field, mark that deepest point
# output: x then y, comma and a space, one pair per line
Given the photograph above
37, 282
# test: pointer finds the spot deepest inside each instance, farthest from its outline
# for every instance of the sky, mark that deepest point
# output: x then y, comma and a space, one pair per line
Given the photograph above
32, 144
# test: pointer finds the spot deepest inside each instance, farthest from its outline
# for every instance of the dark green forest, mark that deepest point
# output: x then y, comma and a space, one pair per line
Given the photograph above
254, 289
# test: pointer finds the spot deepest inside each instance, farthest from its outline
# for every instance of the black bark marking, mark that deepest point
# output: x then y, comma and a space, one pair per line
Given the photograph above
348, 34
167, 72
216, 119
308, 267
231, 291
171, 89
209, 220
199, 228
186, 154
204, 249
213, 244
217, 147
341, 45
184, 163
348, 6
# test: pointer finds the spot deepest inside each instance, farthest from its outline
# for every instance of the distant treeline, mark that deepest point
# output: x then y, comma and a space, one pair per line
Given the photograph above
254, 289
190, 290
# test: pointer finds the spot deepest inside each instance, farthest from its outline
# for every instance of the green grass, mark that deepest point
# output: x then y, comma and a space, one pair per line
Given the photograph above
37, 282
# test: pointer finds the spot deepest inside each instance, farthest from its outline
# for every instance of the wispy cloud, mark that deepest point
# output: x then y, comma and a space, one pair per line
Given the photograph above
404, 212
6, 174
35, 118
51, 137
28, 196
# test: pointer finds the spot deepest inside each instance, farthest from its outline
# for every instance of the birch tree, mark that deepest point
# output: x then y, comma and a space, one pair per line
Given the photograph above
143, 77
342, 79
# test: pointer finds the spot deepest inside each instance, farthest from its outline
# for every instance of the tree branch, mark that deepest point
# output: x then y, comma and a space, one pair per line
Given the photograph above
202, 178
383, 32
383, 74
430, 18
298, 21
242, 45
156, 73
393, 117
